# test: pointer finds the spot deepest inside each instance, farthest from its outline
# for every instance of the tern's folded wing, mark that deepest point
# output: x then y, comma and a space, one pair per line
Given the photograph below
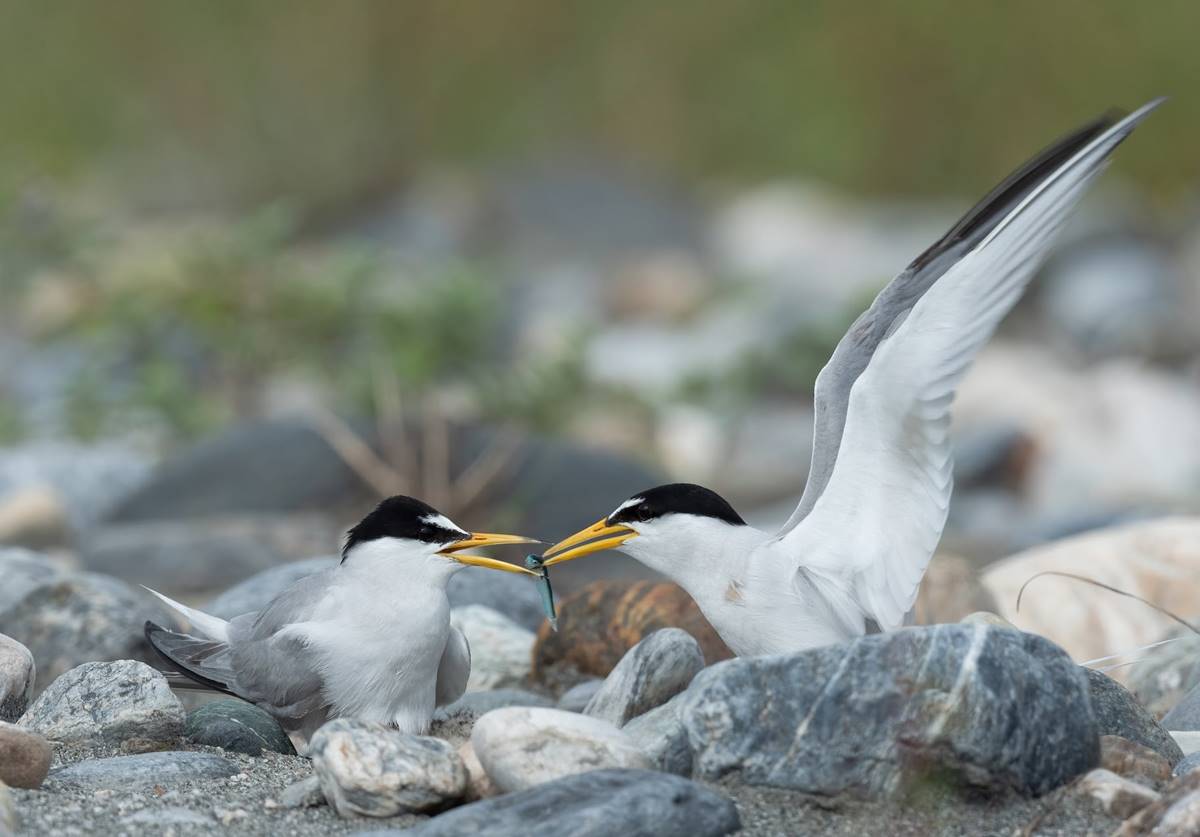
877, 522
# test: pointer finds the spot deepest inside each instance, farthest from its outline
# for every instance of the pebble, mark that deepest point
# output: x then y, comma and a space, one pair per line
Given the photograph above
501, 650
1119, 713
142, 771
973, 705
577, 697
520, 747
303, 794
1118, 796
370, 770
17, 676
476, 704
108, 702
651, 673
1175, 812
661, 735
238, 726
632, 803
24, 757
1133, 760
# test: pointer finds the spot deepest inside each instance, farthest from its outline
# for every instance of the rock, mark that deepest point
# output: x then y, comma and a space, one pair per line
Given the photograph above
33, 516
218, 549
577, 697
992, 456
107, 702
477, 704
17, 676
303, 794
8, 813
600, 623
237, 726
1117, 796
144, 770
1186, 764
985, 617
1119, 713
66, 618
1162, 678
651, 673
1189, 742
661, 735
1185, 715
520, 747
500, 648
950, 591
24, 757
1151, 559
513, 597
479, 784
664, 286
889, 714
632, 803
373, 771
1175, 812
256, 592
1133, 760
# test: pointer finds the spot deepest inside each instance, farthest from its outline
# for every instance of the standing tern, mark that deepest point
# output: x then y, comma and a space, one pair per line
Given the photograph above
850, 558
368, 639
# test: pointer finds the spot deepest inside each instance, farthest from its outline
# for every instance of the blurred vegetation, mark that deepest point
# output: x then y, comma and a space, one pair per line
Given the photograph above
331, 104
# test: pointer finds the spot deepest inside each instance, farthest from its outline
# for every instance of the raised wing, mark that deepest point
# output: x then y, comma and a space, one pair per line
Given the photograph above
831, 396
875, 525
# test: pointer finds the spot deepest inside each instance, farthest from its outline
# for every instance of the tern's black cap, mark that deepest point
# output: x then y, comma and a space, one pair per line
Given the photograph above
403, 517
676, 498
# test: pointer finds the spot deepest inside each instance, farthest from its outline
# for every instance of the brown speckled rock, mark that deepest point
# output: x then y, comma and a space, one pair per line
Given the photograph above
1133, 760
24, 757
1177, 811
597, 625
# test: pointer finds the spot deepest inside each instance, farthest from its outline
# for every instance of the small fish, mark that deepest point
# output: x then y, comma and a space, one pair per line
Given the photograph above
534, 562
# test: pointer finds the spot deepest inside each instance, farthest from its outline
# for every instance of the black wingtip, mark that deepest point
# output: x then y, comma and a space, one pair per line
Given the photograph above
152, 632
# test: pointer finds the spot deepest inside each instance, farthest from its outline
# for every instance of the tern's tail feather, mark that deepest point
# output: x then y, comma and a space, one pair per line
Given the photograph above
202, 623
205, 661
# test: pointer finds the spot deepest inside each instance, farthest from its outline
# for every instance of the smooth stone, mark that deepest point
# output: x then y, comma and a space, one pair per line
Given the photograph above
1165, 676
237, 726
1189, 742
651, 673
172, 815
33, 516
1133, 760
1187, 764
1185, 715
24, 757
479, 784
520, 747
108, 702
256, 592
663, 738
1119, 713
1175, 812
17, 676
143, 770
303, 794
576, 698
8, 812
66, 618
370, 770
501, 650
601, 803
477, 704
890, 714
1117, 795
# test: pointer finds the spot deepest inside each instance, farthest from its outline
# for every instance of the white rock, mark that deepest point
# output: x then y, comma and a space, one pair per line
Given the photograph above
520, 747
1118, 796
17, 676
107, 702
479, 785
8, 812
651, 673
501, 650
374, 771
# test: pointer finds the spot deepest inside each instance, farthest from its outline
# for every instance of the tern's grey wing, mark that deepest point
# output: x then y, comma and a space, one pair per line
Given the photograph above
831, 396
875, 526
453, 669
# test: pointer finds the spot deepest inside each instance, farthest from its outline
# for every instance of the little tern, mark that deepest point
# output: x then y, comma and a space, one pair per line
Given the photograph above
369, 639
851, 557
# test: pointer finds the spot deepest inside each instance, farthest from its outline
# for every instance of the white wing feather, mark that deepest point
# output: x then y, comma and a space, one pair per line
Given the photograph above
876, 525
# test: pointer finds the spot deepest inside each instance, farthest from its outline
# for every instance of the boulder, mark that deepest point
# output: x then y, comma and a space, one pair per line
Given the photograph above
24, 757
237, 726
500, 648
17, 676
887, 715
1118, 713
651, 673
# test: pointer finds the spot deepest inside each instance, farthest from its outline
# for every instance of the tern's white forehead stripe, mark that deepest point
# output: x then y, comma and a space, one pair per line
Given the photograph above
632, 501
442, 522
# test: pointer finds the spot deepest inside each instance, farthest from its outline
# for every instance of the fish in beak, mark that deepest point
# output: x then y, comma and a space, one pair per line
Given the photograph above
600, 535
478, 539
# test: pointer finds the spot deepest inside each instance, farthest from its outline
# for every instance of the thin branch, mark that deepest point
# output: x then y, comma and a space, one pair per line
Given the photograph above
486, 469
358, 454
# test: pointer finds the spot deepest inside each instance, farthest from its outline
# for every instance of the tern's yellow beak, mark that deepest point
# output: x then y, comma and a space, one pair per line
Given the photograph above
600, 535
453, 551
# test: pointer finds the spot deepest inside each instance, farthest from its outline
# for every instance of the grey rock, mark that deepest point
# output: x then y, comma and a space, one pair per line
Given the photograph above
1187, 764
107, 702
237, 726
8, 812
1185, 715
66, 618
477, 704
168, 768
1161, 679
256, 592
24, 757
520, 747
218, 550
17, 676
887, 714
171, 815
501, 650
661, 735
370, 770
576, 698
651, 673
632, 803
303, 794
1118, 713
515, 597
